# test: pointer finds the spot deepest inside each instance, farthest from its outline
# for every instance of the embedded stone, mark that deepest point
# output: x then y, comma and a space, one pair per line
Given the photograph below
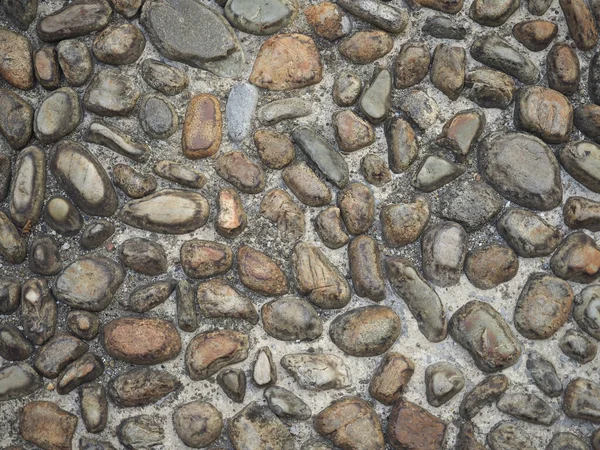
544, 375
346, 87
233, 383
357, 206
286, 404
94, 407
28, 187
18, 380
231, 216
387, 17
46, 68
187, 319
580, 160
536, 35
274, 149
448, 69
239, 170
38, 311
527, 407
490, 266
208, 352
205, 259
133, 183
582, 400
202, 127
586, 311
470, 203
241, 107
581, 23
119, 44
443, 249
410, 426
330, 227
577, 259
442, 382
366, 269
366, 46
57, 116
111, 93
165, 78
83, 324
352, 132
142, 431
375, 170
61, 215
489, 88
528, 234
256, 426
411, 65
317, 371
144, 256
376, 99
10, 294
46, 425
81, 371
578, 347
198, 424
75, 61
75, 19
486, 392
264, 372
16, 66
140, 387
61, 350
96, 233
278, 207
262, 17
13, 247
306, 185
493, 14
581, 212
14, 346
462, 131
435, 172
158, 117
391, 377
116, 140
328, 20
16, 124
217, 298
148, 296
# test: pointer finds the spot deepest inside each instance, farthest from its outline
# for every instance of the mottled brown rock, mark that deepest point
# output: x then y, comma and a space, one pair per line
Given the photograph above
287, 61
357, 205
198, 424
375, 170
241, 171
351, 424
581, 212
141, 340
443, 381
209, 352
46, 425
412, 427
563, 70
486, 392
446, 6
217, 298
544, 305
352, 132
536, 35
16, 123
260, 273
366, 46
45, 65
391, 377
582, 400
366, 268
580, 22
119, 44
328, 20
202, 127
577, 258
57, 353
330, 227
448, 69
278, 207
291, 319
403, 224
16, 65
13, 248
81, 371
205, 259
38, 311
274, 149
484, 333
75, 19
144, 256
411, 65
231, 216
306, 185
318, 279
143, 386
544, 112
491, 266
366, 331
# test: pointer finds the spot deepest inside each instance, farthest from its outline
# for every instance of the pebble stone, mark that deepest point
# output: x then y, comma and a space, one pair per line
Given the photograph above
217, 298
328, 20
317, 371
198, 424
158, 117
45, 65
527, 407
202, 128
111, 93
411, 426
576, 258
375, 170
275, 150
140, 387
232, 218
16, 67
260, 273
285, 404
306, 185
375, 101
46, 425
18, 380
116, 140
94, 407
578, 346
17, 124
241, 107
233, 383
180, 174
28, 187
167, 79
581, 400
119, 44
83, 324
580, 212
391, 377
442, 381
75, 61
261, 17
44, 256
133, 183
208, 352
291, 319
96, 233
14, 346
143, 431
38, 311
330, 227
57, 116
544, 375
264, 371
528, 234
486, 392
490, 266
506, 434
443, 249
346, 88
257, 426
74, 20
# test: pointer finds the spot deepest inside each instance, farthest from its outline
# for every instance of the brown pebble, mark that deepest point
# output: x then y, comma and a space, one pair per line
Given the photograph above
274, 149
260, 273
202, 128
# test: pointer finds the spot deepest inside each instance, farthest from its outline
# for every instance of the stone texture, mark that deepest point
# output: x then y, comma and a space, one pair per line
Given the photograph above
76, 19
202, 127
528, 234
140, 387
328, 20
576, 258
391, 377
46, 425
291, 319
217, 298
410, 426
366, 268
198, 424
582, 400
260, 273
16, 66
111, 93
490, 266
209, 352
119, 44
16, 125
317, 371
486, 392
256, 426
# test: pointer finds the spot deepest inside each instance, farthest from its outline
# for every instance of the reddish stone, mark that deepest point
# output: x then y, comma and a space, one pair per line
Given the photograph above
202, 128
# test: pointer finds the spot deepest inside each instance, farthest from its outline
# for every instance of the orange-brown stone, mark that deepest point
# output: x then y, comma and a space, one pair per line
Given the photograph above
287, 61
209, 352
46, 425
203, 127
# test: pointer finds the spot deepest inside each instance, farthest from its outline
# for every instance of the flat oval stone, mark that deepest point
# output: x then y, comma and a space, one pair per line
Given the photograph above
352, 132
57, 116
111, 93
357, 206
543, 306
116, 140
57, 353
582, 161
119, 44
317, 371
366, 269
94, 407
543, 374
260, 273
291, 319
318, 279
484, 333
264, 372
217, 298
198, 424
411, 65
141, 340
14, 346
261, 17
545, 113
61, 215
375, 170
89, 283
16, 66
328, 20
306, 185
403, 148
435, 172
496, 53
239, 170
445, 28
567, 441
202, 128
527, 407
275, 150
96, 233
507, 434
422, 301
209, 352
507, 162
84, 179
486, 392
586, 311
443, 249
46, 425
148, 296
44, 256
158, 117
580, 212
366, 331
582, 400
169, 211
144, 256
241, 106
349, 421
165, 78
256, 426
13, 247
205, 259
76, 19
286, 404
180, 173
18, 380
391, 377
346, 87
536, 35
38, 311
462, 131
528, 234
287, 61
387, 17
233, 382
28, 186
140, 387
75, 61
187, 319
376, 99
16, 124
191, 33
448, 69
